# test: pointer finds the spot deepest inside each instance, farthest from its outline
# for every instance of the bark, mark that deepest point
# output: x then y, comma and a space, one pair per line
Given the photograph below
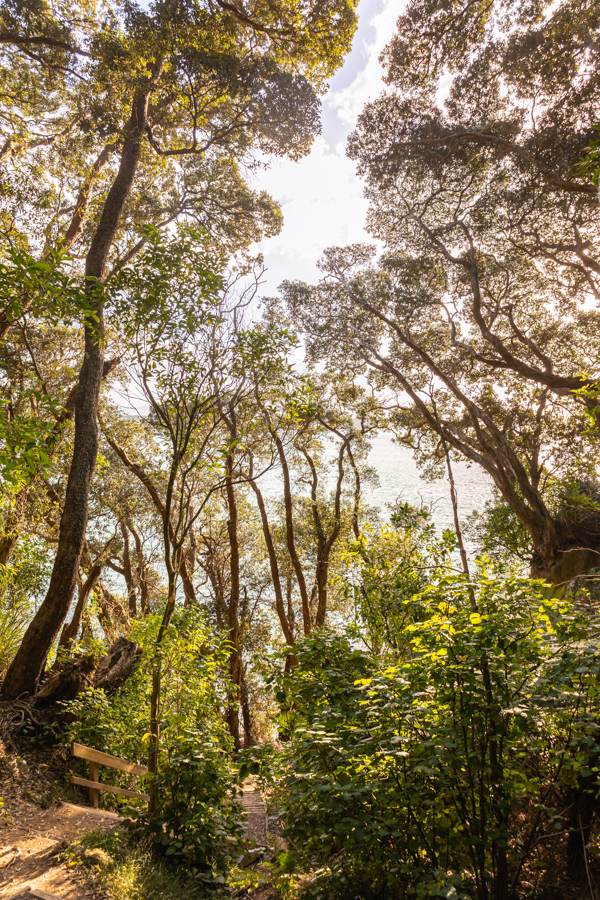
289, 535
286, 626
233, 611
26, 668
141, 569
246, 711
112, 616
81, 204
189, 591
118, 664
154, 745
186, 562
7, 544
582, 809
325, 540
128, 572
70, 630
110, 673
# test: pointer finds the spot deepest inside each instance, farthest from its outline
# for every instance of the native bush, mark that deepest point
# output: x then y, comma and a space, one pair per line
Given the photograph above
197, 820
442, 770
22, 579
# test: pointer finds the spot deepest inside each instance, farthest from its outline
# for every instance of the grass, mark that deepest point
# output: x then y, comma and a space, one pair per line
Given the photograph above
119, 870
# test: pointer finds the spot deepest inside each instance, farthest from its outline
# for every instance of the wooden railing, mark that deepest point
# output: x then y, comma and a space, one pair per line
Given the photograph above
97, 758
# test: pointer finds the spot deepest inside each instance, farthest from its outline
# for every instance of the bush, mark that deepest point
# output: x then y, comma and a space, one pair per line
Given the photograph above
21, 583
123, 869
442, 771
197, 822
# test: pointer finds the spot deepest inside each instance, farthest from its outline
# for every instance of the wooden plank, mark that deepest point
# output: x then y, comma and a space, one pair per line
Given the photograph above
94, 776
109, 788
105, 759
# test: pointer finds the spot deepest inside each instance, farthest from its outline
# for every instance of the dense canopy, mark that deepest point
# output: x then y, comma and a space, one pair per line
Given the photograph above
196, 570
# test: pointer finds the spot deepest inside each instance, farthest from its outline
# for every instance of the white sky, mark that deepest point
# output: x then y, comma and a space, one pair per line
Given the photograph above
321, 196
323, 206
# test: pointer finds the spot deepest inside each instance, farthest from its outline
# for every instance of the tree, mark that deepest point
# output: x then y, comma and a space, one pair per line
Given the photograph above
481, 309
477, 150
393, 319
172, 81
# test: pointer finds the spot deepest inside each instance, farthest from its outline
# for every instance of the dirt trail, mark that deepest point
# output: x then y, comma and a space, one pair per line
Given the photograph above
28, 849
31, 838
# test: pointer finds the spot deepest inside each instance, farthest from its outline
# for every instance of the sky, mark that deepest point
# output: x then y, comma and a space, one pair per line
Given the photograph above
323, 205
320, 195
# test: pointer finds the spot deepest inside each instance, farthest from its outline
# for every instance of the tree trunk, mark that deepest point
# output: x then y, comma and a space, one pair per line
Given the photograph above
286, 627
154, 745
289, 535
246, 711
69, 632
7, 544
582, 808
26, 668
112, 615
140, 569
189, 591
128, 572
235, 653
109, 673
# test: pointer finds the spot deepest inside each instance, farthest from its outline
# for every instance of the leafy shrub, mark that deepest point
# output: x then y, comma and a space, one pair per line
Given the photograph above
197, 821
388, 567
21, 581
440, 771
126, 869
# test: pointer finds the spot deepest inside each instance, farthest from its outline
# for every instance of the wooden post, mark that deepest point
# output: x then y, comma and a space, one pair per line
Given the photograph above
94, 776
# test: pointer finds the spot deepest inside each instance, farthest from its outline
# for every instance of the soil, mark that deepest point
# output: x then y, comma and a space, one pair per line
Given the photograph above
30, 840
37, 823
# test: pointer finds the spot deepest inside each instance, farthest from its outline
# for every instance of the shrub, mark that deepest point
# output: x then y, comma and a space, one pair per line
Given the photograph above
22, 580
442, 771
197, 821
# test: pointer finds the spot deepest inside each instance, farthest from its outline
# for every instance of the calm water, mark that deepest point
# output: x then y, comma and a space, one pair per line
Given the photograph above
400, 479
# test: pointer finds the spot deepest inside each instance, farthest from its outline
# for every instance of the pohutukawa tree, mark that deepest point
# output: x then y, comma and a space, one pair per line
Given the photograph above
475, 157
140, 117
483, 309
393, 319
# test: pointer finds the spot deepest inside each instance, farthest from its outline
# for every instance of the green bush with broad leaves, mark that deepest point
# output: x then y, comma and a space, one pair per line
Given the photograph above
443, 770
197, 822
22, 580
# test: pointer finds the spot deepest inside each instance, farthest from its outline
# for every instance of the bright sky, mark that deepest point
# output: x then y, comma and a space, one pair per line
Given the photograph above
323, 206
321, 195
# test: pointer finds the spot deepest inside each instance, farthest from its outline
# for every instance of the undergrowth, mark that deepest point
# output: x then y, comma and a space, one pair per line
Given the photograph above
119, 869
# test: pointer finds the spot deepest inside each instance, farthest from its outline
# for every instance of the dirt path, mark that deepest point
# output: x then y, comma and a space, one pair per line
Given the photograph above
28, 849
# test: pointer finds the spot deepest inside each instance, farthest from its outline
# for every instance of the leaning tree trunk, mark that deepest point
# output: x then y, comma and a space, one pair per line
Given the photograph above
246, 711
28, 665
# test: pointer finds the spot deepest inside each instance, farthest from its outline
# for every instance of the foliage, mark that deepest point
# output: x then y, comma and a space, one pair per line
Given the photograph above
387, 569
122, 868
415, 777
197, 820
498, 534
21, 581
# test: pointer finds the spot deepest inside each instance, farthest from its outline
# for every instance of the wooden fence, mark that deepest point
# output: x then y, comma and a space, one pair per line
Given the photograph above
96, 759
